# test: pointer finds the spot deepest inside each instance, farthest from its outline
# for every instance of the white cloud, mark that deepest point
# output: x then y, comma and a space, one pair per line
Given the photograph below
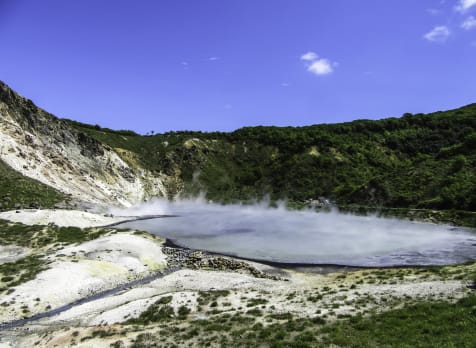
309, 56
213, 58
465, 5
316, 65
469, 23
438, 34
321, 67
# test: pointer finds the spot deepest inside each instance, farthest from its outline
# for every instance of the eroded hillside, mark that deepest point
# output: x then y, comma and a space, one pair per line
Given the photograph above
42, 147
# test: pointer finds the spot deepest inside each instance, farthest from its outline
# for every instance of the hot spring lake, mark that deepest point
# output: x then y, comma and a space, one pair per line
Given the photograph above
305, 237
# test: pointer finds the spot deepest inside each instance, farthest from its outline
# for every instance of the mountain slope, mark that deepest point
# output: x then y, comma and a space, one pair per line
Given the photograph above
18, 191
419, 161
42, 147
416, 161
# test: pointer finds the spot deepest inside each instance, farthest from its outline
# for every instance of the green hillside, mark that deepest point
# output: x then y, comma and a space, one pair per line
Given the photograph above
416, 161
18, 191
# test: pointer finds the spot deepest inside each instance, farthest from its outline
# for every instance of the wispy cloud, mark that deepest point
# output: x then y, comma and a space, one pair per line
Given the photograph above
211, 59
469, 23
317, 65
465, 5
309, 56
438, 34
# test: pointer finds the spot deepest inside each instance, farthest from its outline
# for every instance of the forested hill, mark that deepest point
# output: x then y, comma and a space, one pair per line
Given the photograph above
419, 161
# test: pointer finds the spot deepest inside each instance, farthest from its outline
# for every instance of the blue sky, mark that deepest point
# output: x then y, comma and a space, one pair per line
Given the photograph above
222, 64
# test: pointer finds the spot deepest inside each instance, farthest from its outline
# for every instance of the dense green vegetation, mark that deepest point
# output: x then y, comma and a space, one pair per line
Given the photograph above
418, 161
453, 216
426, 324
18, 191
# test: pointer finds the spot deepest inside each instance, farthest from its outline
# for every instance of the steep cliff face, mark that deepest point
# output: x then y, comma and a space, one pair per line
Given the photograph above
45, 148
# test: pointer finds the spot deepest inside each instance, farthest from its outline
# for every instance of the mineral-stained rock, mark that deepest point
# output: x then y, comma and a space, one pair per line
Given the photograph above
70, 160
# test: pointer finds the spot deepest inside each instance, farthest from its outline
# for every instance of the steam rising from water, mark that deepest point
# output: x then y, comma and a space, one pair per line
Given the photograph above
279, 235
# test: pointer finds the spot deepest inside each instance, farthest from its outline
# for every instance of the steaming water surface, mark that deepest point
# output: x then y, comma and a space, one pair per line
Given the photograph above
278, 235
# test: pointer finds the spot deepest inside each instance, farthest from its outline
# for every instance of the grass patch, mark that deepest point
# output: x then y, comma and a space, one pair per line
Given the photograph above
207, 297
425, 324
160, 312
256, 302
20, 271
154, 314
37, 236
429, 324
18, 191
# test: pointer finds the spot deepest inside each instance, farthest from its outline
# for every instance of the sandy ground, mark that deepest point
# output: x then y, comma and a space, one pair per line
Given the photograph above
11, 253
75, 218
183, 284
82, 270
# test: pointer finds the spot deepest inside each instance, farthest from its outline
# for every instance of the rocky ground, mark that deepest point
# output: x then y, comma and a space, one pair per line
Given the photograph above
163, 296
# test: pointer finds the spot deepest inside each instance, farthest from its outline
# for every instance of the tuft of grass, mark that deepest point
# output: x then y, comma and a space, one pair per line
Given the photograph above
256, 302
183, 312
154, 314
206, 297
